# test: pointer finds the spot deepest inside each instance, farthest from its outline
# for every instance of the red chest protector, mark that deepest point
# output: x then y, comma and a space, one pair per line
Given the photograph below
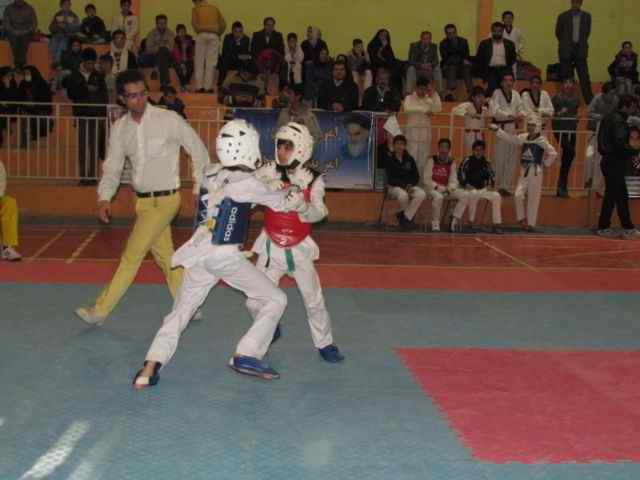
285, 228
441, 172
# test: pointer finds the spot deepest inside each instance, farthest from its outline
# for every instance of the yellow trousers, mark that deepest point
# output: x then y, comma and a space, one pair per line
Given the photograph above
9, 220
151, 231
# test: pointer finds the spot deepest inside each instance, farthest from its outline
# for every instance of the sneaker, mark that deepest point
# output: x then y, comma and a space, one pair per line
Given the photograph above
253, 366
607, 233
402, 220
497, 230
435, 226
455, 226
631, 234
10, 254
331, 354
89, 315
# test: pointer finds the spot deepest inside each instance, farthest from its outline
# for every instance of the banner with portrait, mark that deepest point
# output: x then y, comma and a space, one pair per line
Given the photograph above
344, 143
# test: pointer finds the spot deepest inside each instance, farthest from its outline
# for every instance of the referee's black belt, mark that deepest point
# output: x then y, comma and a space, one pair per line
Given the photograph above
159, 193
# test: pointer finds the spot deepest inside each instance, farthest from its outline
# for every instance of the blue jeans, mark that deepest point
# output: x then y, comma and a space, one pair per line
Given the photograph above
57, 45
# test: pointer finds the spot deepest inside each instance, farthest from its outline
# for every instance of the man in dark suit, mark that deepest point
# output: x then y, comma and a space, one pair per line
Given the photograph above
339, 93
454, 51
573, 28
495, 55
267, 38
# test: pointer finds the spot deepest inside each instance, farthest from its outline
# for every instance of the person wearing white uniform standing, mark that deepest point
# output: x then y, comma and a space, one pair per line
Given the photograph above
505, 108
474, 112
285, 246
441, 181
213, 254
420, 107
536, 100
536, 154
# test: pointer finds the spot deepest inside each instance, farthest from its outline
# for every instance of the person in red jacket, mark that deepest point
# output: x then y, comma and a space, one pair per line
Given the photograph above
285, 246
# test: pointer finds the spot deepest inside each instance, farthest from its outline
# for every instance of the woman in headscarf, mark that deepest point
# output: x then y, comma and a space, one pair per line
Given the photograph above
313, 44
381, 55
35, 89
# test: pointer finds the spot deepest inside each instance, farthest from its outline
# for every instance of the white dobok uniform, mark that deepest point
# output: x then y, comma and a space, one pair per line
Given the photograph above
213, 254
501, 110
285, 247
536, 153
543, 106
418, 126
473, 122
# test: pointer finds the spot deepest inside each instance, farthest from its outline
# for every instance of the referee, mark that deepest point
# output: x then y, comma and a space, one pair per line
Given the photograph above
151, 138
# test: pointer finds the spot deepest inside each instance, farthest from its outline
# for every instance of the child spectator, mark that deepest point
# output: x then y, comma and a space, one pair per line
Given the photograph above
624, 69
93, 28
183, 56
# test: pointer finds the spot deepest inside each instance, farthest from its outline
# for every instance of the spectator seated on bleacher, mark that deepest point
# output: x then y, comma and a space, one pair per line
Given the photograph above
382, 97
123, 58
293, 58
93, 29
359, 63
19, 24
183, 56
382, 56
624, 69
236, 50
69, 62
158, 46
423, 63
170, 101
339, 93
402, 182
456, 61
64, 25
441, 182
317, 74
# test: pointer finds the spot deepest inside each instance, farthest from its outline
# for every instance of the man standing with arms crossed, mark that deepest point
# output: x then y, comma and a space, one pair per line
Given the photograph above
208, 24
151, 137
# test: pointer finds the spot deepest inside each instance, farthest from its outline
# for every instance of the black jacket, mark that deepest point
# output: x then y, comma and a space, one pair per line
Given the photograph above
346, 94
381, 56
476, 172
372, 101
94, 27
231, 51
613, 137
564, 34
454, 52
485, 51
79, 92
624, 66
259, 43
401, 174
312, 53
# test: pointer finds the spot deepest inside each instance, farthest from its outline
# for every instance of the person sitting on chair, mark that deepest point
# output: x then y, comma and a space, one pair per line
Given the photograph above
403, 178
441, 181
476, 177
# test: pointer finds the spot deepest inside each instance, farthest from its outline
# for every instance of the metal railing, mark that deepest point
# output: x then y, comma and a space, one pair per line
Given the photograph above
61, 146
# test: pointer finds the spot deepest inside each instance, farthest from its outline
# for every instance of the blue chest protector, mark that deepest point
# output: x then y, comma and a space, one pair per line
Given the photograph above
232, 223
532, 154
